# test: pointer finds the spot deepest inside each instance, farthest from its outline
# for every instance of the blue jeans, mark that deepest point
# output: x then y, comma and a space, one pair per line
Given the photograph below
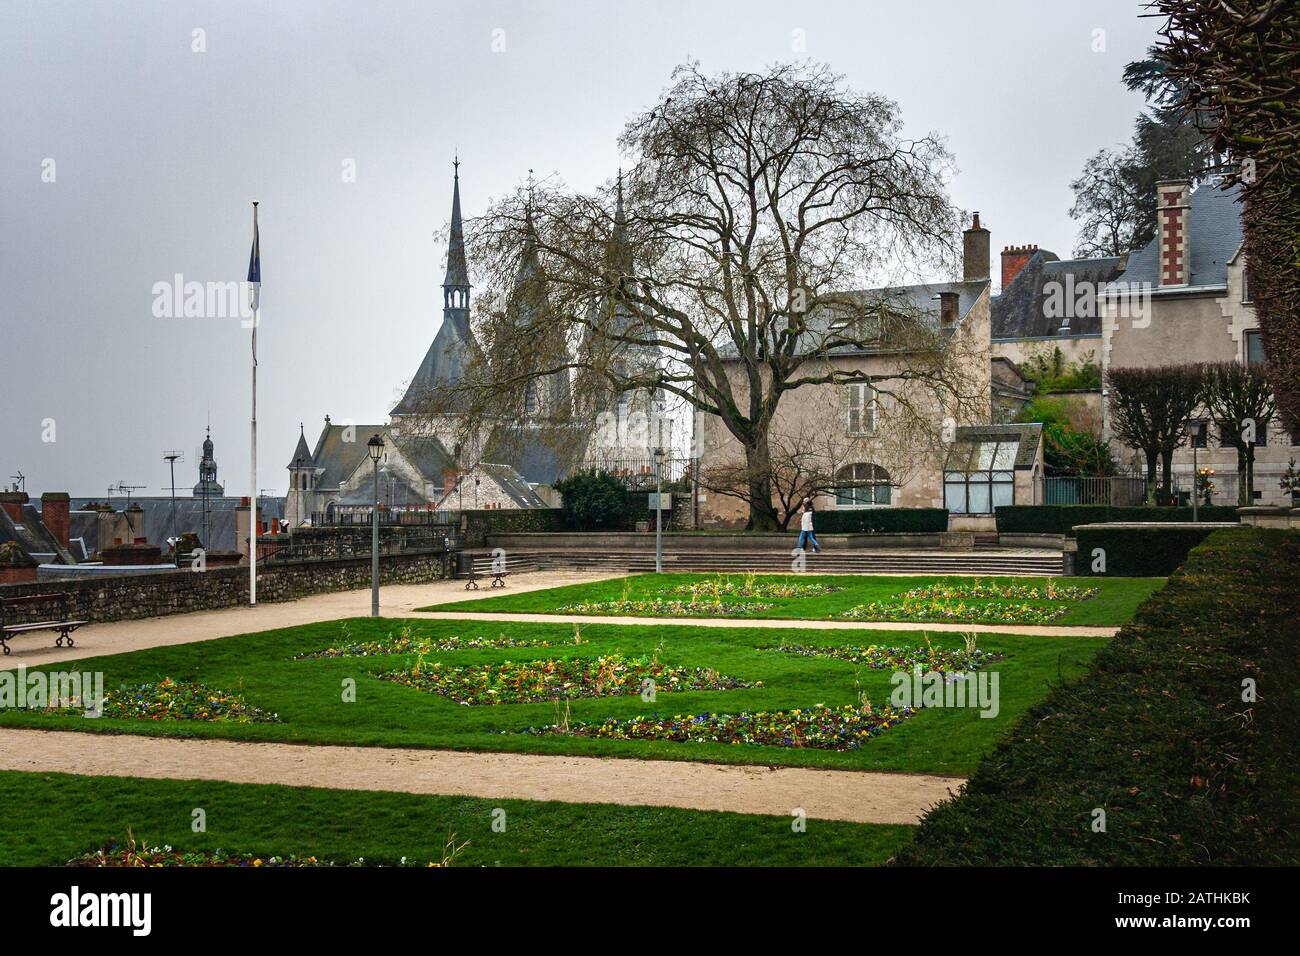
805, 537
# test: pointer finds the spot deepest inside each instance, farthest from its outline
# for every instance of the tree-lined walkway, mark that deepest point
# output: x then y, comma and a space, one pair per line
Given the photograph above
853, 796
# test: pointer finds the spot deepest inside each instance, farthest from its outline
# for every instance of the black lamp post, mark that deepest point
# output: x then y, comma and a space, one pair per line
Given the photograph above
659, 511
375, 448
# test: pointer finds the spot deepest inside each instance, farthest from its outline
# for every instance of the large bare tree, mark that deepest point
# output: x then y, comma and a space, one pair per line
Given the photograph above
716, 270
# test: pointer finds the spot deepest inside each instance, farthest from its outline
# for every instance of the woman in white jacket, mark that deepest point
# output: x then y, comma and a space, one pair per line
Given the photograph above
806, 534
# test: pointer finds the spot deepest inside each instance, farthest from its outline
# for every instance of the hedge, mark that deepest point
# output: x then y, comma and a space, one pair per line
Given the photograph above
1137, 552
880, 520
1060, 519
481, 523
1160, 735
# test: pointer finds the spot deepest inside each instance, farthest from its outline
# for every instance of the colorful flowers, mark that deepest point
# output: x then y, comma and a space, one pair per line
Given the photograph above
929, 610
169, 699
404, 643
749, 586
819, 727
899, 658
977, 590
661, 608
165, 856
523, 682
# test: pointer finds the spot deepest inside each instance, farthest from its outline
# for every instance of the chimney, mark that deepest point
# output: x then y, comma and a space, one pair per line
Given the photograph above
55, 507
947, 309
1015, 258
975, 252
448, 480
1173, 225
135, 522
12, 502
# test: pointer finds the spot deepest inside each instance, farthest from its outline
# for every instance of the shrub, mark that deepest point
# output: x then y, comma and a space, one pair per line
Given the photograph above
1138, 552
1061, 519
1156, 735
882, 520
594, 501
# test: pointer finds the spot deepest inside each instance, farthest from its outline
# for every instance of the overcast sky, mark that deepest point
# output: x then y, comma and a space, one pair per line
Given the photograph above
157, 151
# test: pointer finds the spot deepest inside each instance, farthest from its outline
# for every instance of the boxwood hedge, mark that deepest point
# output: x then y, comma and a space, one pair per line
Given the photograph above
1060, 519
1130, 552
1183, 734
881, 520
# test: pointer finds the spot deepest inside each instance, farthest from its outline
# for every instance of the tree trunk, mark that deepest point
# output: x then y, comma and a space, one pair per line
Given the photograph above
1246, 496
1151, 476
758, 463
1167, 475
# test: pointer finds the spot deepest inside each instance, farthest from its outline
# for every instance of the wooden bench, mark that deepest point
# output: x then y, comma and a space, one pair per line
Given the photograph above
472, 576
60, 622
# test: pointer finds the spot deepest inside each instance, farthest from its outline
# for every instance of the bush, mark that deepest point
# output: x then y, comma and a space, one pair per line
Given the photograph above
594, 501
881, 520
1137, 552
1156, 735
1061, 519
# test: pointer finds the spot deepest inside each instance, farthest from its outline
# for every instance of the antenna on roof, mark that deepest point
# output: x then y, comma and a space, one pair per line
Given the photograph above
20, 481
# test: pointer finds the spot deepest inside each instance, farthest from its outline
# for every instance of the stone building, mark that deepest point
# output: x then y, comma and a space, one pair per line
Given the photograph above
1185, 298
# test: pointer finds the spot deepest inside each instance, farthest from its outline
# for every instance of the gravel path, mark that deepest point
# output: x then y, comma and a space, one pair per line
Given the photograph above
853, 796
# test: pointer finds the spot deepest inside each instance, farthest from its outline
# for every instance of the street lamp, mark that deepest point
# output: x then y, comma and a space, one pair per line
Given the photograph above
375, 447
1193, 431
659, 511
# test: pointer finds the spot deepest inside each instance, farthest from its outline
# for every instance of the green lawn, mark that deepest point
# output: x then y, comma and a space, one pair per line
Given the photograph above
51, 818
1115, 604
307, 695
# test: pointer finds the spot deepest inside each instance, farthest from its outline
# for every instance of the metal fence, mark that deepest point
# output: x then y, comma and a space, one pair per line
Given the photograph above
639, 473
1116, 490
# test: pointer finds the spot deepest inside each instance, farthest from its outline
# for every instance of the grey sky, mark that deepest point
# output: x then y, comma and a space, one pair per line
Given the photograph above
159, 151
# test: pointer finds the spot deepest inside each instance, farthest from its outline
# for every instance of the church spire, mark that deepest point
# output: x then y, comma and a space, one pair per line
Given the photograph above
455, 284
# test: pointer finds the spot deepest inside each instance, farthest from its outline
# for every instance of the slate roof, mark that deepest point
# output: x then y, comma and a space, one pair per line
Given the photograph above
337, 460
457, 271
513, 484
32, 537
301, 452
535, 459
1022, 311
1028, 434
444, 364
1216, 235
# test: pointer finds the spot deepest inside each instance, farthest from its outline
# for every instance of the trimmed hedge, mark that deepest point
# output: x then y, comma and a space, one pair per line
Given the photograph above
1159, 735
1137, 552
880, 520
479, 524
1060, 519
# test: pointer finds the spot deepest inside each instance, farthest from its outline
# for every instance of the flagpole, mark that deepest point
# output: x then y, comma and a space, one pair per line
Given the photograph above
252, 514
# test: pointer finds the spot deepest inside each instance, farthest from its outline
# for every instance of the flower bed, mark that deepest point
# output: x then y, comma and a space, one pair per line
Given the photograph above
661, 608
405, 644
749, 586
116, 855
169, 699
819, 727
899, 658
978, 590
524, 682
931, 610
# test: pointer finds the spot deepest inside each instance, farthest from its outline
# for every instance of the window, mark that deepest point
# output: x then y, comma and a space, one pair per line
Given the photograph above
1254, 347
1200, 434
1247, 294
980, 476
863, 405
862, 485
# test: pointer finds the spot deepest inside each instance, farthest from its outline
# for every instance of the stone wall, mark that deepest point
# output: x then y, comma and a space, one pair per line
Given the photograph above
103, 598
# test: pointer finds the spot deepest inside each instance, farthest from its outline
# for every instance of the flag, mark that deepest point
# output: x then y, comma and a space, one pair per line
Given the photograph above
255, 268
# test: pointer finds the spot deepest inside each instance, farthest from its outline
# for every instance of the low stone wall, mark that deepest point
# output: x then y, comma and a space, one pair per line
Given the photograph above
645, 541
100, 598
1264, 516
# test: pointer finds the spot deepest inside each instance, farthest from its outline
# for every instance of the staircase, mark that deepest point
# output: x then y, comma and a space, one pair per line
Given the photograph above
982, 561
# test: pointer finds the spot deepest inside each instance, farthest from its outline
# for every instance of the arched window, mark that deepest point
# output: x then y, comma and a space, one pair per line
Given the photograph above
862, 485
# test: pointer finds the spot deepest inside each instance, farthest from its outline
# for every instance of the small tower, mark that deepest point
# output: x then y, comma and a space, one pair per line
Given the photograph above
299, 503
207, 486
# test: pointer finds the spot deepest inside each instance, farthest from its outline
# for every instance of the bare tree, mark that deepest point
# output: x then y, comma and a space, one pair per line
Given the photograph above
1241, 404
1149, 408
714, 272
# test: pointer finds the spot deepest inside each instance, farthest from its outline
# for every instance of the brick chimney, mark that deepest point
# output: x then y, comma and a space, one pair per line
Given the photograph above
975, 251
12, 502
1015, 258
1173, 228
55, 507
947, 309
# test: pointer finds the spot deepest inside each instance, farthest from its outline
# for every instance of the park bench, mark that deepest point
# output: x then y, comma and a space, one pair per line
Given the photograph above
472, 575
59, 622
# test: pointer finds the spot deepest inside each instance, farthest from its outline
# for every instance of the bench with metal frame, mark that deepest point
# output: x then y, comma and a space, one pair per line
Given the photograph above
61, 622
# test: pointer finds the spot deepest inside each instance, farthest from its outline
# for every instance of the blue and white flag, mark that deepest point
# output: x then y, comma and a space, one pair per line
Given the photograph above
255, 268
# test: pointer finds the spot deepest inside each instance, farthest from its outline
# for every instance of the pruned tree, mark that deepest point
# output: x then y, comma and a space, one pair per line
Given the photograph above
1149, 408
716, 271
1240, 403
1236, 70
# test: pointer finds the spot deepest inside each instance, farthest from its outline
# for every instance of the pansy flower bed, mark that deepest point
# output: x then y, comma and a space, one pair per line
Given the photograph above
819, 727
406, 644
749, 586
170, 699
878, 657
982, 590
659, 607
931, 610
526, 682
116, 855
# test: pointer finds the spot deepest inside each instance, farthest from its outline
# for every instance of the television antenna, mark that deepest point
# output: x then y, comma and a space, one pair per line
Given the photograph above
171, 457
20, 481
122, 488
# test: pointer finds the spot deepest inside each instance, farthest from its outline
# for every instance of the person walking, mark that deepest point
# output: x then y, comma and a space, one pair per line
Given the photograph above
806, 535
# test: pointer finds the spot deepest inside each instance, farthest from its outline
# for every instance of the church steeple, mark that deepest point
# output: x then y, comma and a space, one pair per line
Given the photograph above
455, 284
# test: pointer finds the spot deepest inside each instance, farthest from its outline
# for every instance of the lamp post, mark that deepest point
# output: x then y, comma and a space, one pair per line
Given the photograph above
1192, 430
659, 511
375, 447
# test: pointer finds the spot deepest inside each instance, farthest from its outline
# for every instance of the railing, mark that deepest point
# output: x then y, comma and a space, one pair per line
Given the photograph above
639, 473
354, 540
1115, 490
388, 517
